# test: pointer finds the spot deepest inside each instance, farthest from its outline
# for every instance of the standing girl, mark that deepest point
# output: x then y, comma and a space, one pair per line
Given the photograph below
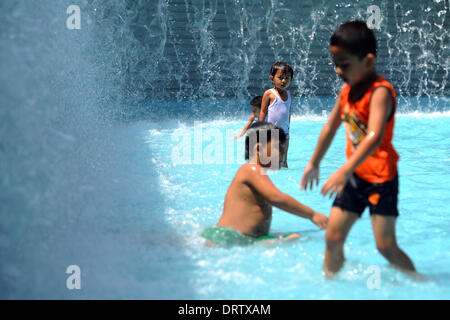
276, 102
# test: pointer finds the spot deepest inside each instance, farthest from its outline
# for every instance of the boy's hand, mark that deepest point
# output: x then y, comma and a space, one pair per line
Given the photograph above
320, 220
336, 183
310, 174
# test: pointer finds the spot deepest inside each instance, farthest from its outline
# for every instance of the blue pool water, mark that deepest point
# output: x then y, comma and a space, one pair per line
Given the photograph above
193, 198
92, 122
128, 213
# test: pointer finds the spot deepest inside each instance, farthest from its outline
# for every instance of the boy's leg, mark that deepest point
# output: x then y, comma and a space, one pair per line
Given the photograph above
339, 225
284, 154
384, 232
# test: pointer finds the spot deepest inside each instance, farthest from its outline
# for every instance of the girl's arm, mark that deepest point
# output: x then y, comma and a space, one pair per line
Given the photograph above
311, 172
264, 105
290, 111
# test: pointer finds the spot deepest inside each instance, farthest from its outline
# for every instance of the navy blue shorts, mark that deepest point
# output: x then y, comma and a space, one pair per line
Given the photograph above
381, 198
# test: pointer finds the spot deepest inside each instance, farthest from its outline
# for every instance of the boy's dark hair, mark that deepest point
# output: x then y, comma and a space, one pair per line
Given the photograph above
259, 128
355, 38
256, 101
281, 66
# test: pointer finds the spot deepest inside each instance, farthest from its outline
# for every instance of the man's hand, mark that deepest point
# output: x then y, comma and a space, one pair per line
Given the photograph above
320, 220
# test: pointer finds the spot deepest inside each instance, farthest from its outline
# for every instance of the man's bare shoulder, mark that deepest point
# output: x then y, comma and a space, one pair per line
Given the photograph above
253, 175
244, 181
247, 170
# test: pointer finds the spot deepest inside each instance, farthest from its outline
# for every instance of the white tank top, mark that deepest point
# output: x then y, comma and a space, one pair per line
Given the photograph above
278, 112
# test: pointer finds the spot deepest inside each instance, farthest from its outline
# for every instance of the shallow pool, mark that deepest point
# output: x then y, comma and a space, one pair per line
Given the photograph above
193, 186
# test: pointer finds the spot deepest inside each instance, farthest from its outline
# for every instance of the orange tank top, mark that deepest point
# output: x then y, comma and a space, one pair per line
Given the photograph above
381, 165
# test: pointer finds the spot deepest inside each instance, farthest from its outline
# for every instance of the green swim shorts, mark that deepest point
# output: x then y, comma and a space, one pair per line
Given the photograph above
226, 236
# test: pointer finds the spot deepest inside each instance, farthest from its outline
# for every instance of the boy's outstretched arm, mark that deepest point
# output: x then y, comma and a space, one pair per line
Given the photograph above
264, 186
380, 109
311, 172
244, 130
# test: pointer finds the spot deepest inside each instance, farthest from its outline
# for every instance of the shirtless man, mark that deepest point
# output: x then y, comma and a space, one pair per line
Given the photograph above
247, 211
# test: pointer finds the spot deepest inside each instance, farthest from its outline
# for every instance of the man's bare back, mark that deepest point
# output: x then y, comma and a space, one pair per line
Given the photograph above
245, 209
249, 200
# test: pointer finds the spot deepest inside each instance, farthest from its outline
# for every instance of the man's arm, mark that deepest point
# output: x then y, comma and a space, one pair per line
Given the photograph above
380, 109
264, 186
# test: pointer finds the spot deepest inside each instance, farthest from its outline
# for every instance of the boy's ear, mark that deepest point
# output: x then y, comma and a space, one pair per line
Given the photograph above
271, 78
254, 152
257, 149
370, 60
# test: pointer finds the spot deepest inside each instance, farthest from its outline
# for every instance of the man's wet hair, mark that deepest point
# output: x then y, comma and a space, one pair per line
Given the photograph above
256, 101
355, 38
283, 66
259, 129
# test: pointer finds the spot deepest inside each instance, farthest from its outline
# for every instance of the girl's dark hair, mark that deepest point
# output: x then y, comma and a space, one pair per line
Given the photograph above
258, 129
355, 38
281, 66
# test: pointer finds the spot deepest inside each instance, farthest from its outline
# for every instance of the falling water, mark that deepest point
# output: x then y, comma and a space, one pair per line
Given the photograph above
196, 50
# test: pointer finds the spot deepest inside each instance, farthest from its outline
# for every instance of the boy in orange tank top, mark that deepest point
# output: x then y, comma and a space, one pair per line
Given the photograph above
366, 106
